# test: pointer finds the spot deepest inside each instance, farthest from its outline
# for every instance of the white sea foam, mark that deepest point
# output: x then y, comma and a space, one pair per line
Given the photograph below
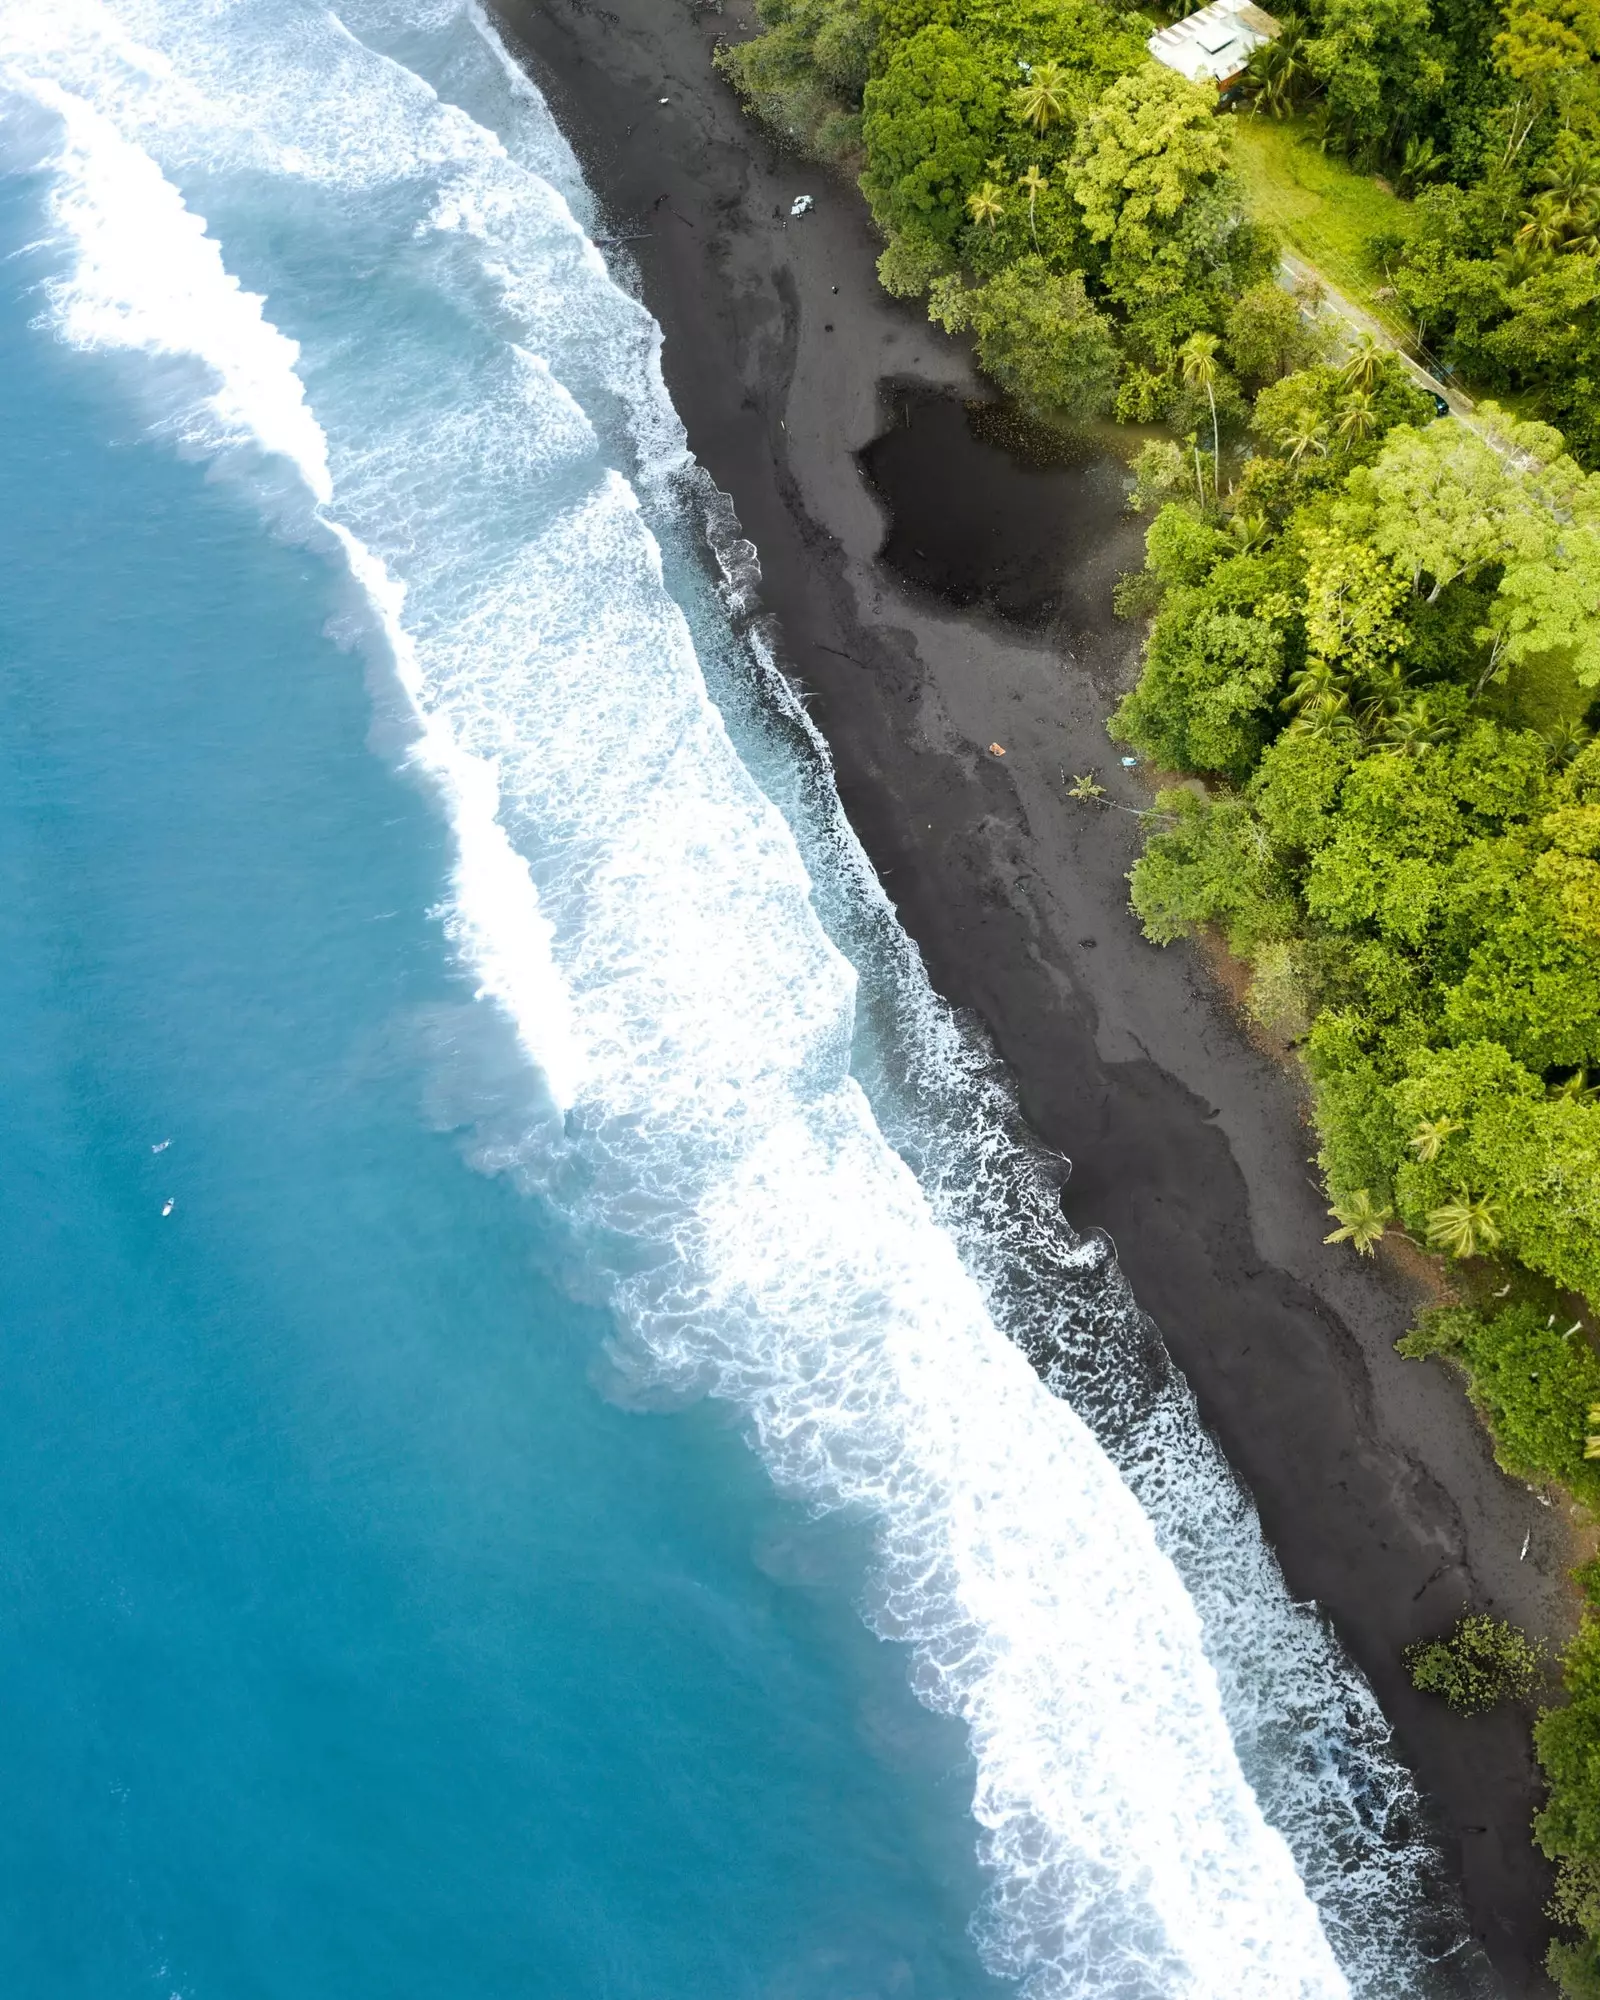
487, 408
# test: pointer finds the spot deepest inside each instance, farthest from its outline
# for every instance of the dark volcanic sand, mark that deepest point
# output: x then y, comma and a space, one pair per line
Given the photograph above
1374, 1482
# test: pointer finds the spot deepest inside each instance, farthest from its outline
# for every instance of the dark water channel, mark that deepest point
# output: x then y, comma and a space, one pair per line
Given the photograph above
987, 511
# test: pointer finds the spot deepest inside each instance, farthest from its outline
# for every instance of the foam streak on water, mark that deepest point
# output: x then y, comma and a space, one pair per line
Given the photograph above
326, 279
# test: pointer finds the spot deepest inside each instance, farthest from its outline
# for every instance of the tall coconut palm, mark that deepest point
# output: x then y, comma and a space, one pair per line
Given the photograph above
986, 203
1430, 1135
1033, 184
1198, 358
1463, 1227
1361, 1221
1357, 419
1042, 101
1360, 373
1306, 437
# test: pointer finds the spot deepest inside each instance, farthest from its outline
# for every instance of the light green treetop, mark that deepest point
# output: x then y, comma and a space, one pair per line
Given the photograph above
1352, 595
1440, 503
1549, 602
1143, 151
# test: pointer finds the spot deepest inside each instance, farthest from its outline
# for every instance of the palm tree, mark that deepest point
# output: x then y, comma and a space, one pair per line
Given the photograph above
1198, 356
1463, 1227
1277, 72
1544, 226
1329, 721
1357, 419
1360, 373
1042, 101
1584, 241
1563, 741
1430, 1136
1193, 442
1421, 163
986, 203
1361, 1222
1308, 437
1516, 262
1381, 689
1411, 727
1250, 530
1570, 184
1317, 686
1034, 184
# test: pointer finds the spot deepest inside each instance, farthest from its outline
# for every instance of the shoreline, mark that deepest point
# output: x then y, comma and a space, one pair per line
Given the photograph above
1373, 1479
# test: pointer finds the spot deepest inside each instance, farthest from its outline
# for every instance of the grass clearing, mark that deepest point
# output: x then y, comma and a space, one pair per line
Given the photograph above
1322, 209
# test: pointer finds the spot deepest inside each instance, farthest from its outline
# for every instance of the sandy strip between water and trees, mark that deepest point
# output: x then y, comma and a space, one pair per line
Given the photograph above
1373, 1478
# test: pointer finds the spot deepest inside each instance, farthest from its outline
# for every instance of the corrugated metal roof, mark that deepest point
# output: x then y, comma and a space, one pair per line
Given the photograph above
1215, 43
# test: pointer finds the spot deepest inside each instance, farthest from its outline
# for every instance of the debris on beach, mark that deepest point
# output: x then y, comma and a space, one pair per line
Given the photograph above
168, 1205
997, 749
801, 205
1130, 763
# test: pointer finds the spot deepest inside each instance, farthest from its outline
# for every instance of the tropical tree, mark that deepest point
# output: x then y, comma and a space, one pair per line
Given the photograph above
1545, 225
1147, 169
1421, 162
1361, 372
1198, 359
1357, 419
1277, 78
1371, 55
1362, 1222
1305, 437
930, 122
1033, 184
1043, 100
1038, 334
1463, 1227
1430, 1136
1267, 336
986, 204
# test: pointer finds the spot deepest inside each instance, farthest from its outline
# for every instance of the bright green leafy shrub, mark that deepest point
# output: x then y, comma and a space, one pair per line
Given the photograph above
1479, 1665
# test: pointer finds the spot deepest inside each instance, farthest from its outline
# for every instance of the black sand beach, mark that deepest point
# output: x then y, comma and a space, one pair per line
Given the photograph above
1374, 1481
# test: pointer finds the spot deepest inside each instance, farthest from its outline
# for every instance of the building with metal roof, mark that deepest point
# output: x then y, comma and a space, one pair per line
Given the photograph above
1215, 44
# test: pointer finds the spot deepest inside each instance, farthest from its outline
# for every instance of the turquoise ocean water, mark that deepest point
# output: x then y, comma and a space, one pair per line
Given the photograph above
517, 1472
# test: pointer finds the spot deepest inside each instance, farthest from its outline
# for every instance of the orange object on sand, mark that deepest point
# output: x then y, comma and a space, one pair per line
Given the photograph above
997, 749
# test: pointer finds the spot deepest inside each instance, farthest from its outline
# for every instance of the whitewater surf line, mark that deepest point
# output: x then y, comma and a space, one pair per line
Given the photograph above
368, 299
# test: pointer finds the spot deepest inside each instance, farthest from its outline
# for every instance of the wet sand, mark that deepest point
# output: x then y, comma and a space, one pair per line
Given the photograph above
990, 621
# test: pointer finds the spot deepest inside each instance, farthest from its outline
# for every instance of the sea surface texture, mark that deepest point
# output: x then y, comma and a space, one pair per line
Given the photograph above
555, 1442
